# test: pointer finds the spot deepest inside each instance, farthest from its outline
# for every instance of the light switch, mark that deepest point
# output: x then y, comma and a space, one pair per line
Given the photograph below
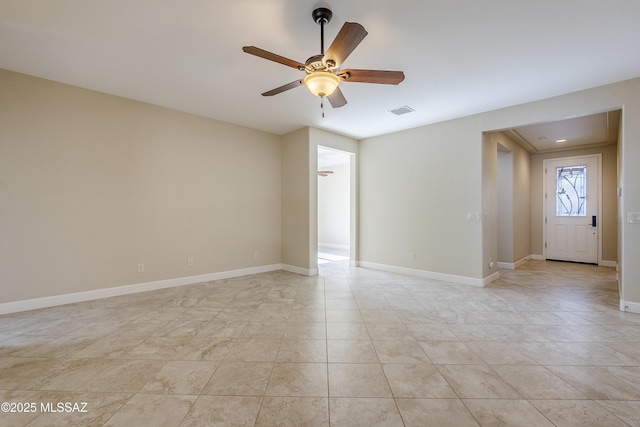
634, 217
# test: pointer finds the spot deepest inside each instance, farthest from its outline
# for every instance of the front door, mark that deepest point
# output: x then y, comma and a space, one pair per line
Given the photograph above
571, 193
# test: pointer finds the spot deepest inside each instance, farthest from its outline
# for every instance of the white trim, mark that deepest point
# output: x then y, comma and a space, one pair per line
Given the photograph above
299, 270
431, 274
513, 265
54, 300
506, 265
522, 261
629, 307
490, 278
334, 246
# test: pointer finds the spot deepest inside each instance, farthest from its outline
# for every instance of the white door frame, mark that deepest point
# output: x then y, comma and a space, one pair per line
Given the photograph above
545, 198
353, 206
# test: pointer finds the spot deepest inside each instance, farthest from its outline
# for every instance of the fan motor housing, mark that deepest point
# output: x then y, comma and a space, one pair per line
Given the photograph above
315, 62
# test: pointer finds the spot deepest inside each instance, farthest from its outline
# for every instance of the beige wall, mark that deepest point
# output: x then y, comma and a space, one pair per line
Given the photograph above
521, 203
514, 232
416, 188
296, 208
505, 206
92, 184
489, 215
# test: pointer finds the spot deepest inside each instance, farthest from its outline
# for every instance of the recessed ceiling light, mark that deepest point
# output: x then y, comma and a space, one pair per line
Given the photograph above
560, 141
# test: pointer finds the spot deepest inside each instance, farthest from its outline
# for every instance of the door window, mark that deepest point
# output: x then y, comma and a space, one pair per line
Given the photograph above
571, 190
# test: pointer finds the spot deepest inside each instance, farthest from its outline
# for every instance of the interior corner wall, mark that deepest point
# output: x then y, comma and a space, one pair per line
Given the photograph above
505, 207
91, 185
520, 203
296, 195
489, 214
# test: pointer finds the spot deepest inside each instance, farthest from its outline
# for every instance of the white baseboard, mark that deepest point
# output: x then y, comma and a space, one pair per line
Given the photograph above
430, 274
630, 307
513, 265
299, 270
334, 246
603, 263
490, 278
36, 303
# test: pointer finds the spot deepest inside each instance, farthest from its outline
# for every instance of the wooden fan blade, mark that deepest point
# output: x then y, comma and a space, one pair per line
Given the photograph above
349, 37
283, 88
273, 57
372, 76
337, 99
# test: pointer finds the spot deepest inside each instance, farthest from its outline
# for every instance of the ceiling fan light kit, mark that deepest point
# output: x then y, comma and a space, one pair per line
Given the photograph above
323, 74
321, 83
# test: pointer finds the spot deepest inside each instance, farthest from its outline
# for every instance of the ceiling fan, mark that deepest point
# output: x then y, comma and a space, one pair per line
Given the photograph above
323, 73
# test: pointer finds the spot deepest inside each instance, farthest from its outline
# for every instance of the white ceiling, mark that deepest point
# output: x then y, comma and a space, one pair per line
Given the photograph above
460, 57
579, 132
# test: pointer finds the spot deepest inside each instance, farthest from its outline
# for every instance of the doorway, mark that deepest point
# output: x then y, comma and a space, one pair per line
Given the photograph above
334, 205
573, 194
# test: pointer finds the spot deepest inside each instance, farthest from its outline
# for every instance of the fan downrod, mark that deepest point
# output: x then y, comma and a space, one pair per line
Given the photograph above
322, 15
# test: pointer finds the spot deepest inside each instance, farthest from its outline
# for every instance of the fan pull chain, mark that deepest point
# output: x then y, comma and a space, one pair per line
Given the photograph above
322, 105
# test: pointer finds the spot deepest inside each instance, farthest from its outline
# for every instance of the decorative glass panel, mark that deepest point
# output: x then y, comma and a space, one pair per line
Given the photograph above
571, 190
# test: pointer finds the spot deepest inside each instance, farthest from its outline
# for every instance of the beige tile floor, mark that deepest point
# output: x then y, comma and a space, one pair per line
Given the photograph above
544, 345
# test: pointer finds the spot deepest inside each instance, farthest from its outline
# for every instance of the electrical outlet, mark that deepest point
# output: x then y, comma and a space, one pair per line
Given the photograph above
412, 256
634, 217
256, 255
190, 262
140, 268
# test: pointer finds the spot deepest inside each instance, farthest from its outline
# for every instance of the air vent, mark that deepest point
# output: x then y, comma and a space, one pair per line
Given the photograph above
402, 110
